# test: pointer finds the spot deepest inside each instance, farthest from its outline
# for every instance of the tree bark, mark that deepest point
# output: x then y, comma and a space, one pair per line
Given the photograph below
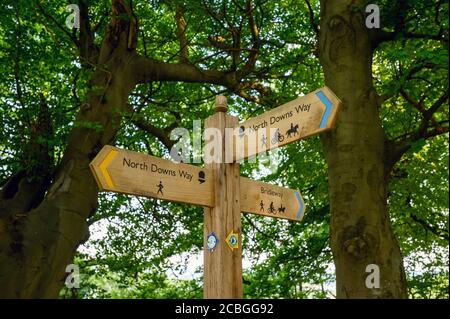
361, 231
37, 245
39, 236
42, 222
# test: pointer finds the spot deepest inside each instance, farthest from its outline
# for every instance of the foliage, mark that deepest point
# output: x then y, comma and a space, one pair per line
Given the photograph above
135, 241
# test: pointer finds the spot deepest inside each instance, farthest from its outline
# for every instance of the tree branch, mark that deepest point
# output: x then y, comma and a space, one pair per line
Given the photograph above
312, 20
418, 105
441, 233
146, 69
181, 35
437, 105
18, 32
163, 135
87, 48
101, 21
397, 147
401, 9
160, 134
279, 240
379, 36
249, 65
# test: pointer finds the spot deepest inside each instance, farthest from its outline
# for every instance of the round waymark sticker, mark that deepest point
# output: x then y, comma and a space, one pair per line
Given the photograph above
212, 241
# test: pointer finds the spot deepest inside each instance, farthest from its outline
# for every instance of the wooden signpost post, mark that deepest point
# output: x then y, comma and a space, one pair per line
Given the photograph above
222, 259
219, 187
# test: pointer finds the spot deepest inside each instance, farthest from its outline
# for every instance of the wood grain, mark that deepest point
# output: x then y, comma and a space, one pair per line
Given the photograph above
271, 200
128, 172
298, 119
222, 266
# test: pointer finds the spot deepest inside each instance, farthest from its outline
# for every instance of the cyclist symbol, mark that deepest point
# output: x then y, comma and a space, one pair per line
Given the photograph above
271, 208
277, 137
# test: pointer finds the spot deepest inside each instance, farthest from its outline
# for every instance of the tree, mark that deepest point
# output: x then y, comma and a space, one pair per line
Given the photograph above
50, 197
359, 153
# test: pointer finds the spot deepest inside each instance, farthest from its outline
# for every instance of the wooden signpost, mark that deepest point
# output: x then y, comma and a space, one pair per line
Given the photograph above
122, 171
219, 187
133, 173
303, 117
271, 200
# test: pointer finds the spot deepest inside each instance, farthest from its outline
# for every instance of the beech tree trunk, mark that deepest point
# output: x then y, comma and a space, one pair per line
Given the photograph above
361, 231
43, 220
42, 224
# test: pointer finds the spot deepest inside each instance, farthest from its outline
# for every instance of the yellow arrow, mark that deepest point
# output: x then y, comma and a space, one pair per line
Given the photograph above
103, 165
233, 240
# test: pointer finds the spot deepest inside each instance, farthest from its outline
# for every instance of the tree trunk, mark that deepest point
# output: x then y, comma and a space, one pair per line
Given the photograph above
42, 224
43, 221
361, 232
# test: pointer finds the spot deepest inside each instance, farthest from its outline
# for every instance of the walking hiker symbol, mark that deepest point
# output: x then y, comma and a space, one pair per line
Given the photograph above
261, 205
263, 141
160, 188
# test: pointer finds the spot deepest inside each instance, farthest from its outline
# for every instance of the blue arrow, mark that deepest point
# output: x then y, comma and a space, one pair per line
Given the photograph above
323, 98
300, 210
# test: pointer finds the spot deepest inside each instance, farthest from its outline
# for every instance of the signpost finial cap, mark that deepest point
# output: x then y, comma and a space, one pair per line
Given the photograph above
221, 104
